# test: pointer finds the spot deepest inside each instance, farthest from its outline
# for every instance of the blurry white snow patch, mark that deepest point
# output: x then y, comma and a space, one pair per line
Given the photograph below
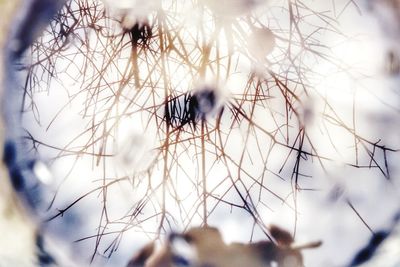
43, 173
261, 42
132, 11
134, 150
133, 153
231, 8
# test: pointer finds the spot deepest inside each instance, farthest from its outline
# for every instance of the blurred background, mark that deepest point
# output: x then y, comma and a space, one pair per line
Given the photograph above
138, 118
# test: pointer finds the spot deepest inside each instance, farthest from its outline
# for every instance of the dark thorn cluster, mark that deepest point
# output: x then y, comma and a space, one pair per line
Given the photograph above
190, 108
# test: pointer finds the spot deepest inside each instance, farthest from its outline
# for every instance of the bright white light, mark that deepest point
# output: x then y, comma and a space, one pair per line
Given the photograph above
43, 173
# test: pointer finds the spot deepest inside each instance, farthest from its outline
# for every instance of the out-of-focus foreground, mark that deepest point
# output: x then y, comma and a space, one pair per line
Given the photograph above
17, 242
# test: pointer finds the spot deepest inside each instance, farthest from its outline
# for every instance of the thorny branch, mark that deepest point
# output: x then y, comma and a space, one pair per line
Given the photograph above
149, 71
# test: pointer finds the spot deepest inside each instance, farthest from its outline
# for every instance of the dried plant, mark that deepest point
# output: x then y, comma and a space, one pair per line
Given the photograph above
229, 119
